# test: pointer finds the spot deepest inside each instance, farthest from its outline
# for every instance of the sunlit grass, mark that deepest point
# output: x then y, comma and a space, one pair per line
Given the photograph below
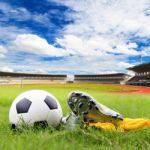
129, 105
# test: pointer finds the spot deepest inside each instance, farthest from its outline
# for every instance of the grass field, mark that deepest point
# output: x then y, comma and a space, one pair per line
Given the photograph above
129, 105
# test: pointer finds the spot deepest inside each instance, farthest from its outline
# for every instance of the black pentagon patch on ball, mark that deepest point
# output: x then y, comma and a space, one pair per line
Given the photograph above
23, 106
51, 103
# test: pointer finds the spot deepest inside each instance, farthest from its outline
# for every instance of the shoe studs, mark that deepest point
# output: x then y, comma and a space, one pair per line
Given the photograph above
80, 104
85, 113
96, 108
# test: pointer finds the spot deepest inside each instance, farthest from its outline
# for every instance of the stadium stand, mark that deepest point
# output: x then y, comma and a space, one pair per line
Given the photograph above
142, 75
26, 78
117, 78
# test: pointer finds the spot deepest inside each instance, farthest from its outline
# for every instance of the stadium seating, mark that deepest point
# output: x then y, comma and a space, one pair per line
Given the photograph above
102, 78
142, 80
142, 75
26, 78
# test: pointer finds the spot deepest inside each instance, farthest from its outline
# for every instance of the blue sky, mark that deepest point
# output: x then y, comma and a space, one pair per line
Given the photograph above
73, 37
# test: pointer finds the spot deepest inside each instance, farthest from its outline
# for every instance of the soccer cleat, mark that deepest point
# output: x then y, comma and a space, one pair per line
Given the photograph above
91, 111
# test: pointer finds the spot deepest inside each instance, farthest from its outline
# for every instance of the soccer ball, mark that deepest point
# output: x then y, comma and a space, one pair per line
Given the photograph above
35, 107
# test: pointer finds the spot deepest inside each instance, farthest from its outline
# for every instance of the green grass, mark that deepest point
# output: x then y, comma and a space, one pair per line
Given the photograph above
129, 105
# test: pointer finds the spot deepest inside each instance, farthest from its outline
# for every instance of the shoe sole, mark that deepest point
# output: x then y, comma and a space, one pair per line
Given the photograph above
90, 110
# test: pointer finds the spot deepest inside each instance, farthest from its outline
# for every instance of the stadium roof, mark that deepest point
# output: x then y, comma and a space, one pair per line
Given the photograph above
141, 68
97, 75
12, 74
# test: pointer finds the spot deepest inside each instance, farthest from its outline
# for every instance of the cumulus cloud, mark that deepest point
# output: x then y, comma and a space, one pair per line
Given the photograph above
99, 39
106, 28
8, 11
113, 21
34, 44
9, 33
126, 49
109, 15
124, 65
2, 51
78, 46
96, 45
22, 14
146, 51
6, 69
71, 64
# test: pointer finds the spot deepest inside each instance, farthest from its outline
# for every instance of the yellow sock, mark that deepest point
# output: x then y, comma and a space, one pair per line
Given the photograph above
127, 124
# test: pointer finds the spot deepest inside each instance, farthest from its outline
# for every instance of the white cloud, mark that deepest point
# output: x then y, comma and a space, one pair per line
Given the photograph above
112, 22
124, 65
9, 33
126, 49
18, 13
98, 39
40, 71
96, 45
132, 45
146, 51
131, 73
70, 65
22, 14
6, 69
34, 44
2, 51
78, 46
105, 28
105, 15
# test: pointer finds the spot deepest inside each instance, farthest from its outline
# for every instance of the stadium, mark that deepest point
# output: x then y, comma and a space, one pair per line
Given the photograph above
141, 77
26, 78
118, 78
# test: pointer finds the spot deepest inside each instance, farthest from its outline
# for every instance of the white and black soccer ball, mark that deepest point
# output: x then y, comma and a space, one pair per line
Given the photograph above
35, 107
